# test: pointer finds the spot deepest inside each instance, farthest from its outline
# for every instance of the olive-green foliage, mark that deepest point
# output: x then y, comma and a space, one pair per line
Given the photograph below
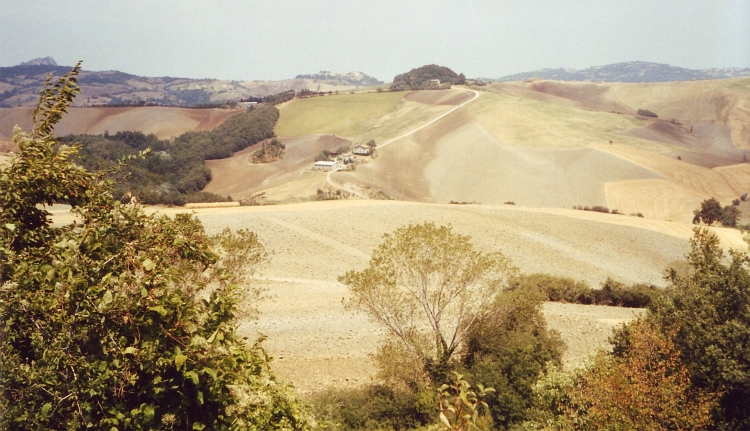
121, 320
709, 213
509, 350
174, 172
420, 77
428, 287
402, 398
565, 289
709, 310
375, 407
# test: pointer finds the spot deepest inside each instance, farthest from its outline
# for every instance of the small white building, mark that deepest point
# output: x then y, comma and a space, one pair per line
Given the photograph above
435, 82
362, 150
328, 166
246, 104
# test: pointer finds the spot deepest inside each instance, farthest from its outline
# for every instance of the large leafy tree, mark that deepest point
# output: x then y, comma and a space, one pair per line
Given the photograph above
709, 313
121, 320
644, 386
429, 287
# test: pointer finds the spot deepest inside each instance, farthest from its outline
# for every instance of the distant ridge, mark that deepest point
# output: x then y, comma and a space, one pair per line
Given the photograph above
46, 61
633, 71
20, 86
357, 78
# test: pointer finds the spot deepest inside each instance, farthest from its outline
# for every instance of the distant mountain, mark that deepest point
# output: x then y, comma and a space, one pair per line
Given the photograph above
46, 61
355, 78
633, 71
20, 86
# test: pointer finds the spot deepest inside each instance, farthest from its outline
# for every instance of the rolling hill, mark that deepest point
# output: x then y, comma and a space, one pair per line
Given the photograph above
20, 85
633, 71
539, 144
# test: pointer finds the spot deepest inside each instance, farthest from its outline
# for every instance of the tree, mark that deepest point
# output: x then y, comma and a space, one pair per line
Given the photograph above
428, 287
122, 320
709, 213
729, 215
708, 311
509, 350
643, 386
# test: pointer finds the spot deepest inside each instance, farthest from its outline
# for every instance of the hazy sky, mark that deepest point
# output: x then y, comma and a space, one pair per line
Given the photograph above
253, 39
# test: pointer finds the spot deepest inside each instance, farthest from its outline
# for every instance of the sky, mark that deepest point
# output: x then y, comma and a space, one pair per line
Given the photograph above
279, 39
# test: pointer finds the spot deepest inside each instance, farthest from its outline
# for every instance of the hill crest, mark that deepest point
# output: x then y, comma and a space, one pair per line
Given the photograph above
632, 71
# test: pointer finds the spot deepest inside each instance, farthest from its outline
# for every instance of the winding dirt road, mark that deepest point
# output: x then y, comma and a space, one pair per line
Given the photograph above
328, 176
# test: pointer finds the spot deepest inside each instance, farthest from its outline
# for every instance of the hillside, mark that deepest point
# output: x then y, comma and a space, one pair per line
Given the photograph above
633, 71
319, 344
541, 144
19, 86
164, 122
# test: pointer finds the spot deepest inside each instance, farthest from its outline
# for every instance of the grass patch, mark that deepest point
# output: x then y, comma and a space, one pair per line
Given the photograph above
344, 114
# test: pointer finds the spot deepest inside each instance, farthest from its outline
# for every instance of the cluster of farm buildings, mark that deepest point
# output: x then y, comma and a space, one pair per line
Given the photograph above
342, 161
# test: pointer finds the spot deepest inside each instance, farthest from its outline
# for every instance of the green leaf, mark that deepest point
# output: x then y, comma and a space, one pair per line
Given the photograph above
198, 426
148, 264
148, 413
192, 375
130, 350
46, 408
159, 309
10, 226
179, 360
107, 297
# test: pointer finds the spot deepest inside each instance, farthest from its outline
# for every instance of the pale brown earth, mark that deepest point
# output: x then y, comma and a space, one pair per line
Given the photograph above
457, 159
164, 122
289, 179
317, 343
545, 144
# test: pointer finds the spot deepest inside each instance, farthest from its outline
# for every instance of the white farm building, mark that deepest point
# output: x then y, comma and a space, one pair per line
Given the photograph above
362, 150
328, 166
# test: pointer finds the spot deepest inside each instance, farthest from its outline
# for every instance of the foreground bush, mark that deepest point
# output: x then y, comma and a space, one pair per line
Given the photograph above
121, 320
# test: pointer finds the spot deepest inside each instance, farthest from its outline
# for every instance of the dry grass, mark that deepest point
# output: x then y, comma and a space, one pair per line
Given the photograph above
343, 115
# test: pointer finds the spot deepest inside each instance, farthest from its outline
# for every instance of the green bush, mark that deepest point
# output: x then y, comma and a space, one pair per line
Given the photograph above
122, 320
374, 407
565, 289
509, 351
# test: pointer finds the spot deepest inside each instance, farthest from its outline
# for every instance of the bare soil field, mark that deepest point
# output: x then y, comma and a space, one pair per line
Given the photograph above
288, 179
457, 159
164, 122
317, 343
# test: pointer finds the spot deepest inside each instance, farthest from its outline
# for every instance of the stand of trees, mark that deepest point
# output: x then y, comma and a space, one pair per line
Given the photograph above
419, 78
173, 173
711, 212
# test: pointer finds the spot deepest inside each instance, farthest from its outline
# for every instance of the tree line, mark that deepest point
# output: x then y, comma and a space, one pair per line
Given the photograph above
173, 173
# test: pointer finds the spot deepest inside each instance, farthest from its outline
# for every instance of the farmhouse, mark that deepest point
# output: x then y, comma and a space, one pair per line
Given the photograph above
327, 166
362, 150
246, 104
435, 82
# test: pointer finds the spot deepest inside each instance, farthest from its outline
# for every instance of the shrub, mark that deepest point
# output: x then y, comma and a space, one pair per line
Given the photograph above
565, 289
509, 351
647, 113
121, 320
